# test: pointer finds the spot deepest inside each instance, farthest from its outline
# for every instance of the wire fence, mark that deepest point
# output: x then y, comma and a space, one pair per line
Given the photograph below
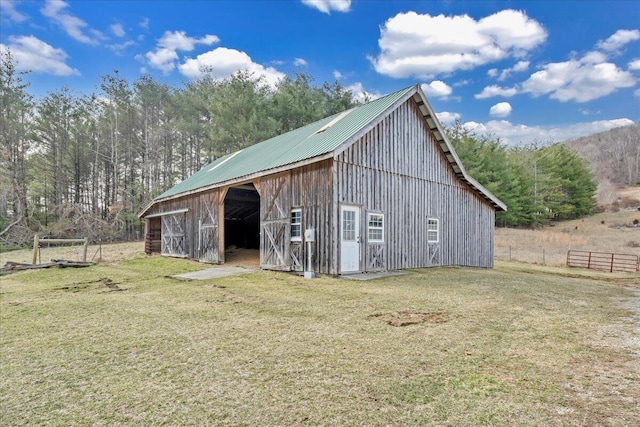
533, 255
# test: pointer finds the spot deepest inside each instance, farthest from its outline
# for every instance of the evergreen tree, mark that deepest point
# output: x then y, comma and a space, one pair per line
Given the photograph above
538, 184
15, 117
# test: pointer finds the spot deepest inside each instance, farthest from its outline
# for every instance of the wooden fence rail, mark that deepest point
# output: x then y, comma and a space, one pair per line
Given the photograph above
37, 242
603, 261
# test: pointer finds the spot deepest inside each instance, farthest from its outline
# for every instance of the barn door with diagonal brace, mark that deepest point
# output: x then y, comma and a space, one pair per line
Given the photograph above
275, 219
208, 228
173, 235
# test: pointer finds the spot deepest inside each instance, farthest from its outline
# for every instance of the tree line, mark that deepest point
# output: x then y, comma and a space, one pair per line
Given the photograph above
538, 183
86, 164
615, 158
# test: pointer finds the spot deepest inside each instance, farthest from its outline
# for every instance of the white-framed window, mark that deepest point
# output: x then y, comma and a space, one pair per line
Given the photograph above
296, 225
433, 230
375, 227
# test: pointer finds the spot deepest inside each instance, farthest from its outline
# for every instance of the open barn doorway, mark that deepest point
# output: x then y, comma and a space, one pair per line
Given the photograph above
242, 225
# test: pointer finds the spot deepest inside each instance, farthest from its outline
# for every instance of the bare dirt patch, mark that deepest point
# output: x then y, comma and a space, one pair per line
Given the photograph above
249, 258
105, 281
410, 317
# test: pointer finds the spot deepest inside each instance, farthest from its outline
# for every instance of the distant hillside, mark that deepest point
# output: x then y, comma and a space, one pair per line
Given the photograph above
614, 155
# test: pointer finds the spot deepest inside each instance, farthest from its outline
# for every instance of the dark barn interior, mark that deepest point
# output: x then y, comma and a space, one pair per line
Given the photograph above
242, 217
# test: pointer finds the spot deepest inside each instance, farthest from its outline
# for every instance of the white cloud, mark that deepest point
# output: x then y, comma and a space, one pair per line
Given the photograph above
494, 90
448, 118
520, 66
577, 80
34, 55
462, 83
516, 134
493, 72
119, 47
299, 62
413, 44
586, 112
165, 55
75, 27
593, 57
8, 9
337, 74
360, 94
436, 88
144, 23
517, 68
326, 6
618, 40
501, 109
178, 40
223, 62
117, 30
162, 59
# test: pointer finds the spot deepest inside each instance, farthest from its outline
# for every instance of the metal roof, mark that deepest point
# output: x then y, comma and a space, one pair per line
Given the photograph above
315, 142
300, 144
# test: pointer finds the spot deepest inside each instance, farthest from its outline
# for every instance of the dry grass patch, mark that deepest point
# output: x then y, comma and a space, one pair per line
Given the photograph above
484, 347
604, 232
112, 252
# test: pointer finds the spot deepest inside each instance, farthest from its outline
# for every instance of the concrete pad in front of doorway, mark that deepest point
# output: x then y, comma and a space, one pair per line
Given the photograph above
216, 272
371, 276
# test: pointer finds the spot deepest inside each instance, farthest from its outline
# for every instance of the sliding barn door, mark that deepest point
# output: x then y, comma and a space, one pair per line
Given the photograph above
173, 235
208, 229
275, 220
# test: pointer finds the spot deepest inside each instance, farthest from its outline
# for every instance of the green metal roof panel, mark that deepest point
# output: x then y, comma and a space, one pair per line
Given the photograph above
300, 144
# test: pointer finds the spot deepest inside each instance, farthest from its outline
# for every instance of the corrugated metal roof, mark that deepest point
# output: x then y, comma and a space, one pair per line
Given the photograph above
305, 143
318, 140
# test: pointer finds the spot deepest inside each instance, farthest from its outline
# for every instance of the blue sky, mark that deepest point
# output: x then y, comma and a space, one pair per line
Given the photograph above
523, 71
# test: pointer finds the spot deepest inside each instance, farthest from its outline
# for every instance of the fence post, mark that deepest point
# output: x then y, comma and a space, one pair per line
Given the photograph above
86, 245
36, 245
611, 269
589, 261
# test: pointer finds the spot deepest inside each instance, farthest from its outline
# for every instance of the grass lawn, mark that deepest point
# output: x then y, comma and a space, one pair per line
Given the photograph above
126, 344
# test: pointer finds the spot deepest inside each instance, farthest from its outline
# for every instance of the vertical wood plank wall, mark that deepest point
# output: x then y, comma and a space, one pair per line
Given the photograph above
308, 187
197, 211
275, 221
397, 169
311, 189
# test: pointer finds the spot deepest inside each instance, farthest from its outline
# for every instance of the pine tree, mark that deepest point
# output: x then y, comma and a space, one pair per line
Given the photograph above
15, 117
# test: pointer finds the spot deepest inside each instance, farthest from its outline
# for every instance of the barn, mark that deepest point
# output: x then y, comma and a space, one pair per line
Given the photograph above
380, 186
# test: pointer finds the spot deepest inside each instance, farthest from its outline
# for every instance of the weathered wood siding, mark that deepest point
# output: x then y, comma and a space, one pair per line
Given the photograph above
275, 221
311, 191
202, 210
398, 169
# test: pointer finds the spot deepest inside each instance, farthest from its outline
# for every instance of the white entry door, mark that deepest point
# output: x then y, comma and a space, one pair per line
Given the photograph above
349, 239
